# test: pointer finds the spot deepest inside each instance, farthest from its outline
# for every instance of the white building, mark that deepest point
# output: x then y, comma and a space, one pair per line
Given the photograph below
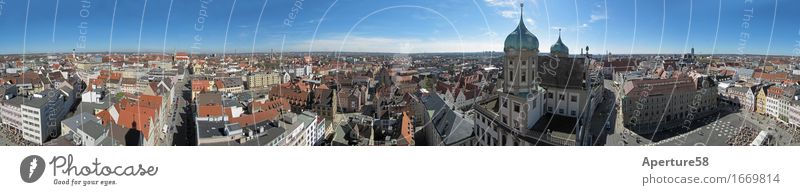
794, 113
773, 104
41, 115
12, 113
94, 95
86, 129
305, 129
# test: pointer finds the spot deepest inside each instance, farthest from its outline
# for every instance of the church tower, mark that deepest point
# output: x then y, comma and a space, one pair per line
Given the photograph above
521, 51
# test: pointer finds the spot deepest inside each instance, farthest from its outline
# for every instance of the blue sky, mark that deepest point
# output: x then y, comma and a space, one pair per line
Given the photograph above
617, 26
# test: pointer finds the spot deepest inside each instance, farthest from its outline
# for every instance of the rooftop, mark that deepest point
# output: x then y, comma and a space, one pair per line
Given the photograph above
88, 123
46, 96
452, 126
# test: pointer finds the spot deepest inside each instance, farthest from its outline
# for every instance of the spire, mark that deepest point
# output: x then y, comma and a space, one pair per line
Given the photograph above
521, 11
559, 34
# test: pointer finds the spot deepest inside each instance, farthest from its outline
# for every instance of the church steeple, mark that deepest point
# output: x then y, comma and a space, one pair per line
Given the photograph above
521, 11
521, 38
559, 49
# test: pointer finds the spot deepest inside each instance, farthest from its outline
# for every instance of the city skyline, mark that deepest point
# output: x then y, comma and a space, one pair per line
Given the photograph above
396, 27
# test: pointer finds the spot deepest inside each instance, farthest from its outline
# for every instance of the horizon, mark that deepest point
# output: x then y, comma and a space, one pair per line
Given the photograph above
622, 27
366, 52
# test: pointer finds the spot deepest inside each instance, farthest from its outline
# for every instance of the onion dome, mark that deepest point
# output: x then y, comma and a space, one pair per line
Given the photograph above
521, 38
559, 49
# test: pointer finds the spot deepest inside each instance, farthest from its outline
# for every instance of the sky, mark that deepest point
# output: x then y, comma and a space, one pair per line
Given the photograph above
404, 26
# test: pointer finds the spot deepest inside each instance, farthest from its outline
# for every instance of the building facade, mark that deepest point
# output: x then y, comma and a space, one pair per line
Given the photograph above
761, 100
651, 105
794, 113
263, 79
41, 116
12, 113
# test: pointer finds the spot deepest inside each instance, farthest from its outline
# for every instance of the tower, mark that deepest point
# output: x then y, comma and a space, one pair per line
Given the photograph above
521, 50
559, 49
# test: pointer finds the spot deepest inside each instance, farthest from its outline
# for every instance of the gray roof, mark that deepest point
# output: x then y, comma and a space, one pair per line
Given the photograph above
451, 126
208, 129
742, 90
209, 98
562, 72
8, 88
87, 123
232, 82
227, 102
90, 107
305, 117
16, 101
47, 95
270, 133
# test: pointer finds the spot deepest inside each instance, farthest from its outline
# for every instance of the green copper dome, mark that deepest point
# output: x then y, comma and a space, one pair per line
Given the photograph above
559, 49
521, 38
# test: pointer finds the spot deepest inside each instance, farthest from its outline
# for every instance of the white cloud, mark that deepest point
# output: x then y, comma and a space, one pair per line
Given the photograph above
598, 13
510, 9
506, 8
509, 13
597, 17
502, 3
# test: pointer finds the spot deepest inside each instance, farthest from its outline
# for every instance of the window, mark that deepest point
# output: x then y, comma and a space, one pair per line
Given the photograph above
573, 98
524, 62
550, 109
561, 111
511, 72
505, 103
550, 95
572, 113
510, 62
560, 96
523, 77
516, 107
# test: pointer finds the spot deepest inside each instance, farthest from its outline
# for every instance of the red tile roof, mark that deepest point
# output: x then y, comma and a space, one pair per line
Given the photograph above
775, 77
279, 103
406, 128
200, 85
209, 111
137, 116
251, 119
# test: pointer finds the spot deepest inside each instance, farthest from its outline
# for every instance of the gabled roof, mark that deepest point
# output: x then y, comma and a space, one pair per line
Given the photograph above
452, 127
277, 104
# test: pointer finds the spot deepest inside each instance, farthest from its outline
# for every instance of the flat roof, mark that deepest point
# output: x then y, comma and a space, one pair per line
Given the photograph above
207, 129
